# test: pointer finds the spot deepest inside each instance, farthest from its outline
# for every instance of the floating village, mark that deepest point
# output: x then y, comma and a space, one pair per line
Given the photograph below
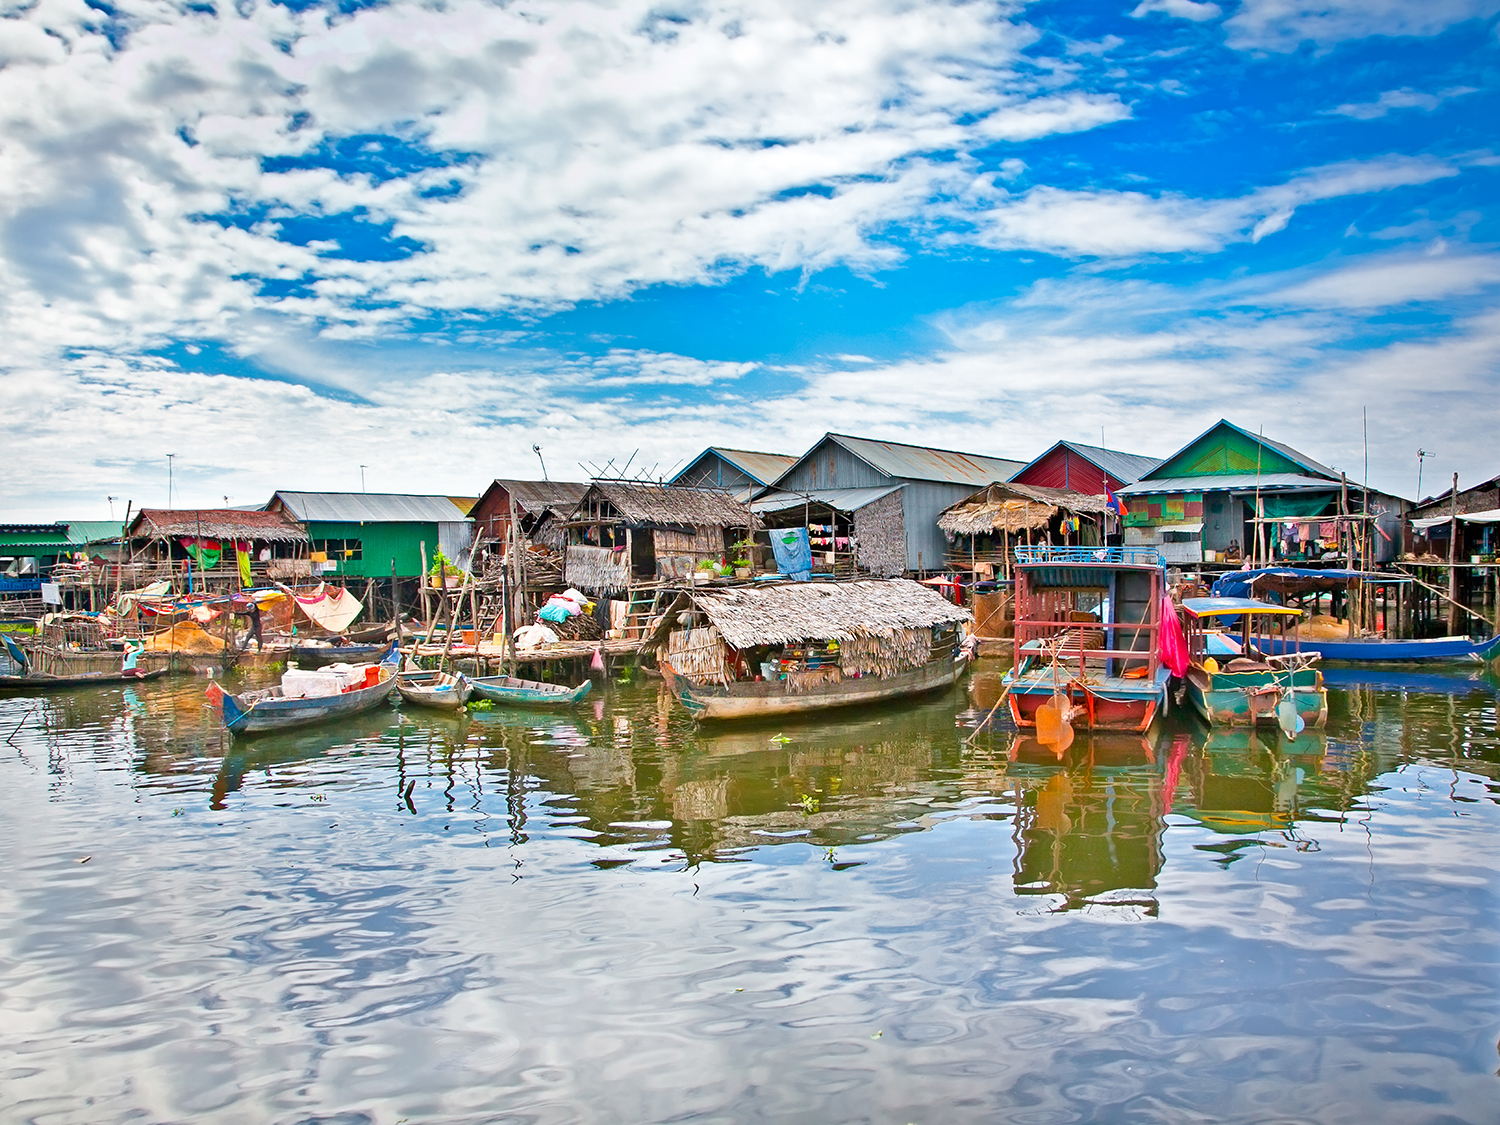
1120, 586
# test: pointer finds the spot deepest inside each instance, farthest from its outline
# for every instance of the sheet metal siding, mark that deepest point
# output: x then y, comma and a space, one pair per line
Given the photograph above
380, 543
830, 465
455, 536
1062, 468
368, 507
922, 503
712, 471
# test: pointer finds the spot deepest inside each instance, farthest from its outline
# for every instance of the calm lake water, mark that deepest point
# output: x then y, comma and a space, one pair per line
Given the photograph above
612, 916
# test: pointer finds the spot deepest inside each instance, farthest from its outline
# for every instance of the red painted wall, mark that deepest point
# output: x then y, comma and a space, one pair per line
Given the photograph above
1062, 468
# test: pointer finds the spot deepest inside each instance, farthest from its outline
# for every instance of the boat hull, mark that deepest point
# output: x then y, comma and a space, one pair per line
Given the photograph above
1250, 698
336, 654
528, 693
444, 697
1118, 707
259, 716
1437, 650
79, 680
765, 699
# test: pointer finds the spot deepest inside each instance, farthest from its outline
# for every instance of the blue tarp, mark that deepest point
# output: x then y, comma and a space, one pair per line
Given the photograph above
793, 552
1268, 584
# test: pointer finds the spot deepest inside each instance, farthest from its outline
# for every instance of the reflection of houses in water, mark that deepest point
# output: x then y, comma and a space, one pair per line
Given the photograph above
1089, 828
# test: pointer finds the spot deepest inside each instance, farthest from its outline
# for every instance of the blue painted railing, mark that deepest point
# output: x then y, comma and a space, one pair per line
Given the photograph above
1051, 553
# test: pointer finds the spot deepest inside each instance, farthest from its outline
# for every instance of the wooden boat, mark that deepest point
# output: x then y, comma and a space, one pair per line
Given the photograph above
442, 691
516, 692
43, 681
769, 698
800, 647
328, 653
1247, 686
253, 712
1434, 650
1088, 625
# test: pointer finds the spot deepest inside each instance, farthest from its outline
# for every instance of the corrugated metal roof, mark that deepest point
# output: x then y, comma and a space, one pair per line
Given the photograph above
764, 467
369, 507
840, 499
920, 462
94, 531
1127, 468
1234, 482
536, 496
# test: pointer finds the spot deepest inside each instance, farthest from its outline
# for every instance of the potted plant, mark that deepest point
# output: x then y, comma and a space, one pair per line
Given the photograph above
442, 572
706, 572
743, 561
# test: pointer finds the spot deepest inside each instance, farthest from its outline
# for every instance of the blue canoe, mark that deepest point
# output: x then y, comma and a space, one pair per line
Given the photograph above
252, 712
1435, 650
528, 693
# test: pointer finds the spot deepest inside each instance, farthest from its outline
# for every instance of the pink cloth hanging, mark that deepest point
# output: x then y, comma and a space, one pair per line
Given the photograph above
1174, 653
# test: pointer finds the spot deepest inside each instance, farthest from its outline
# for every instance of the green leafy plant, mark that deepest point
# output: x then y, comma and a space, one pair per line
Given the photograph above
442, 566
707, 564
809, 803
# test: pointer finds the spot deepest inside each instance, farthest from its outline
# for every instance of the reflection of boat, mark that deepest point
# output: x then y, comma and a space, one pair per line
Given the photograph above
528, 693
251, 712
1246, 781
1432, 683
1249, 686
442, 691
1088, 625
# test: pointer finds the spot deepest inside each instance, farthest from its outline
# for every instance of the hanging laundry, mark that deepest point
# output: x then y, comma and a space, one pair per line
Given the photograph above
793, 552
205, 552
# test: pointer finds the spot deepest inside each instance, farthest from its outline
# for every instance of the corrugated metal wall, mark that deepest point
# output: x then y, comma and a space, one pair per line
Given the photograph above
713, 471
830, 465
923, 502
1062, 468
381, 542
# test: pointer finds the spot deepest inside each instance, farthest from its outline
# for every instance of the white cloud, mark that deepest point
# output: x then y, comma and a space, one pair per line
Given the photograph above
1129, 223
1182, 9
1393, 280
1404, 98
597, 148
1284, 25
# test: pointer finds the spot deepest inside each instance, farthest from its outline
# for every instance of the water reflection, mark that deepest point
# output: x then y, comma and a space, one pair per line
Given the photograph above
614, 914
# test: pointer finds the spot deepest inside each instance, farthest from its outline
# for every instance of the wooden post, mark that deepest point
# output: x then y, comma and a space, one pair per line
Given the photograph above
395, 602
1453, 618
422, 581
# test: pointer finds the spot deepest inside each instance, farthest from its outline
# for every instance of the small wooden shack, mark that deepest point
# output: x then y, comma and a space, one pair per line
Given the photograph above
628, 534
982, 528
199, 549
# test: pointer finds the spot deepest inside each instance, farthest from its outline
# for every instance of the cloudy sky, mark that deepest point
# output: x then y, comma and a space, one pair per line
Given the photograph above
284, 240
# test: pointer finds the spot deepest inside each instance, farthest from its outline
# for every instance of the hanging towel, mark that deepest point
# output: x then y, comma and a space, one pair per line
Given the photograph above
1174, 653
793, 552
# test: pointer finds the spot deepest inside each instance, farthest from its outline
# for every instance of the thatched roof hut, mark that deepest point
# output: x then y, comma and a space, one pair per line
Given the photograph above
1015, 507
785, 613
215, 523
655, 505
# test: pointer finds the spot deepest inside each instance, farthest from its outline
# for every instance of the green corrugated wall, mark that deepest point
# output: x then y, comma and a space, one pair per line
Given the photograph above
381, 542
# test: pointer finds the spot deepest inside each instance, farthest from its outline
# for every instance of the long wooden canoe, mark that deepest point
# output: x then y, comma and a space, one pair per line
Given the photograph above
528, 693
1433, 650
45, 682
768, 698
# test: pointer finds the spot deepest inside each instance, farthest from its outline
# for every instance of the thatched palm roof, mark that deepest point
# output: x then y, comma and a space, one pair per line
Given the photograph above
795, 611
216, 523
1014, 507
668, 505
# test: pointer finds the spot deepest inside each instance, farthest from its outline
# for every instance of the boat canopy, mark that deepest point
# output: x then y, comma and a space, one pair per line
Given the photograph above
1234, 607
1283, 580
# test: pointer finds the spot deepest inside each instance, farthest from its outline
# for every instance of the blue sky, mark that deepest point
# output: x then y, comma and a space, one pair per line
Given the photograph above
283, 240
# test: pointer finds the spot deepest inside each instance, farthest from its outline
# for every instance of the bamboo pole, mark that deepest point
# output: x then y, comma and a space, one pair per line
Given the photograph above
422, 581
1453, 559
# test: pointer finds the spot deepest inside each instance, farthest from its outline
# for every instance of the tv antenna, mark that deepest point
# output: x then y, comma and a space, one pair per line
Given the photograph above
1421, 454
362, 469
537, 449
111, 500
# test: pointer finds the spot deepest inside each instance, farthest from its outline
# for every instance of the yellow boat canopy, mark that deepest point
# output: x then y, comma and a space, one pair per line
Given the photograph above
1235, 607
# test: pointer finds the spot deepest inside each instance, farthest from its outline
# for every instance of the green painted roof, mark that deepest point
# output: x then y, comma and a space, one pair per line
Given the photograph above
1225, 449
